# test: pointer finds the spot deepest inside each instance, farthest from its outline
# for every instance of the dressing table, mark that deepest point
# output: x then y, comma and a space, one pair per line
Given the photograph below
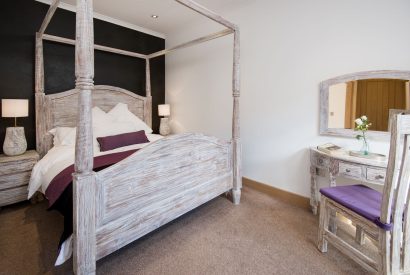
376, 94
342, 165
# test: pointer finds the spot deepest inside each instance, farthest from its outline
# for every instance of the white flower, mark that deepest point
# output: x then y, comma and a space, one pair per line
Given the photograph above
358, 121
364, 118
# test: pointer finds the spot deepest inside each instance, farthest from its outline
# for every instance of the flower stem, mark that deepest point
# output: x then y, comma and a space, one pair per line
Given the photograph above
366, 152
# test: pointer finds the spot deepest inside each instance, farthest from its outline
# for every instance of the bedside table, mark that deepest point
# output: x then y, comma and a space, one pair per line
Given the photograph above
15, 174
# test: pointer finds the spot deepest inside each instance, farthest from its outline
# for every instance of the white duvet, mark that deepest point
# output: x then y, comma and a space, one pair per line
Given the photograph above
60, 157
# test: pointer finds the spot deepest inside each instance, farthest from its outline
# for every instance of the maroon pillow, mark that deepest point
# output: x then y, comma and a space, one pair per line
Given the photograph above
113, 142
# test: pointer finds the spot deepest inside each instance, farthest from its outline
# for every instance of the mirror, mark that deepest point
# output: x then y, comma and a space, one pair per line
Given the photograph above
373, 94
371, 97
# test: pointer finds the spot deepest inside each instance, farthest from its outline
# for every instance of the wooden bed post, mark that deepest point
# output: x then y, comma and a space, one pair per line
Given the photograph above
84, 180
148, 106
39, 79
39, 94
236, 142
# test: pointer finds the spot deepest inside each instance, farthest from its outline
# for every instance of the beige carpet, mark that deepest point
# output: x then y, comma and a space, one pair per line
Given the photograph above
262, 235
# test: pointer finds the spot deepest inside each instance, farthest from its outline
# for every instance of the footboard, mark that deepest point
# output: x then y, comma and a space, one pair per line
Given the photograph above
158, 184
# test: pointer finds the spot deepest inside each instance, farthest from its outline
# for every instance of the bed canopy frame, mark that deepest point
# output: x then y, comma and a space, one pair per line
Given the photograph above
84, 189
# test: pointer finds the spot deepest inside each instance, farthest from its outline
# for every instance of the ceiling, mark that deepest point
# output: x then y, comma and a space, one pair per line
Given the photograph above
172, 15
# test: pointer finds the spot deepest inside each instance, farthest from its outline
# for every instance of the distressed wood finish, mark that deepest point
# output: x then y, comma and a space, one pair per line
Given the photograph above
323, 225
84, 185
148, 102
192, 43
169, 178
68, 41
350, 170
394, 247
376, 175
324, 101
84, 223
236, 141
39, 95
39, 65
237, 148
61, 109
49, 15
17, 164
15, 174
405, 176
360, 236
343, 165
313, 190
207, 13
396, 192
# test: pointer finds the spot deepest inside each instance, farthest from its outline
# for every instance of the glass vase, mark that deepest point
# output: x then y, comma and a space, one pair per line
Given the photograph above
365, 147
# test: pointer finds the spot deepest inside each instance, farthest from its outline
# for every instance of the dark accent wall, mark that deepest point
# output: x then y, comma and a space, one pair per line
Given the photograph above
21, 19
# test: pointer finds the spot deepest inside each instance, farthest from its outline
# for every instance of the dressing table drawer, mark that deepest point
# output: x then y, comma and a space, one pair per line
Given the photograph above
350, 170
377, 175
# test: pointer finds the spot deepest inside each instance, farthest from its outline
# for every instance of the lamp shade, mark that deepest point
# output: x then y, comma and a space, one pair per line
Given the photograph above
14, 107
164, 110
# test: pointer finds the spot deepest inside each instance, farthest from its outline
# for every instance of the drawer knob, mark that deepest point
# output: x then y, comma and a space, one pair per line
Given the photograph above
320, 161
379, 177
348, 170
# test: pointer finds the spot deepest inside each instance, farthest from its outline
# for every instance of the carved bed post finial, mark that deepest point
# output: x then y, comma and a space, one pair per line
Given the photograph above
84, 185
236, 142
148, 102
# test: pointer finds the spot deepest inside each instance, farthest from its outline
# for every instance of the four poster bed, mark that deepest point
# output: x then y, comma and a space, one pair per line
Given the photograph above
150, 187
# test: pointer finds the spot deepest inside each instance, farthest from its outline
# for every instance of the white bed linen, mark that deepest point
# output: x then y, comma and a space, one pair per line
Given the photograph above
60, 157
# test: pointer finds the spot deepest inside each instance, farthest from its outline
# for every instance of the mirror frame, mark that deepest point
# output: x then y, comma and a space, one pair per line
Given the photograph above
324, 101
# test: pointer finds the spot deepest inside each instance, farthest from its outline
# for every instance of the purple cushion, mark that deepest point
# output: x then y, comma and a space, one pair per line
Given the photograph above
113, 142
359, 198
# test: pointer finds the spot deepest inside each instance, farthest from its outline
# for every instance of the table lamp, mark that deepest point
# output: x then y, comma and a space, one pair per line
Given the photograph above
15, 142
165, 111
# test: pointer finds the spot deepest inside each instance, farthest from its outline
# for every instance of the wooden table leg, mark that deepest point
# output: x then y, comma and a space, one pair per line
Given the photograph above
332, 219
313, 190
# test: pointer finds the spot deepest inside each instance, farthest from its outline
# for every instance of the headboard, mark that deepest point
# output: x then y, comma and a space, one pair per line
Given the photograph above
58, 110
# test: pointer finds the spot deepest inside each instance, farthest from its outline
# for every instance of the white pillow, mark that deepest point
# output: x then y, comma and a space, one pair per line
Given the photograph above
63, 135
100, 118
102, 125
106, 125
121, 114
119, 121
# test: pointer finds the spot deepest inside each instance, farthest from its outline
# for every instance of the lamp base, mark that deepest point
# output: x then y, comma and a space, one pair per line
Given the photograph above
15, 142
164, 128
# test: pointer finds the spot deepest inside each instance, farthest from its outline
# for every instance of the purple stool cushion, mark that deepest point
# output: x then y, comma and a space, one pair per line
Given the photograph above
360, 199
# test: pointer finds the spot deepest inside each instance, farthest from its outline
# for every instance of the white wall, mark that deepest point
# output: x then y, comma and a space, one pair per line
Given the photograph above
288, 47
337, 105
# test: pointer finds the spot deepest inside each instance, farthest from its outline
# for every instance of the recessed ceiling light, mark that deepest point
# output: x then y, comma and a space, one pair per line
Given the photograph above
154, 16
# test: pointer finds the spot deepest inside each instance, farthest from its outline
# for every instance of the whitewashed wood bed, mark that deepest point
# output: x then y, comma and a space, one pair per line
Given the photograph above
153, 186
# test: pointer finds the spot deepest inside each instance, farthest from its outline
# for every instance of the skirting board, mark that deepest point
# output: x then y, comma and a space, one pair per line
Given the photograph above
289, 197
